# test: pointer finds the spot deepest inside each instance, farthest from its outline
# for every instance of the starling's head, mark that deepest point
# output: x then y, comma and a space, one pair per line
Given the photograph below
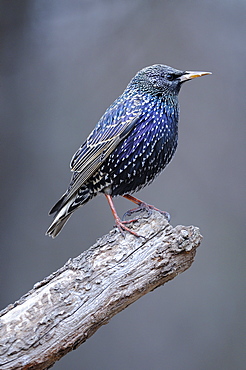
158, 79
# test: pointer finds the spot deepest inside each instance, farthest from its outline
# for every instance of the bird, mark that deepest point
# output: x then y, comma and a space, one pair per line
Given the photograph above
131, 144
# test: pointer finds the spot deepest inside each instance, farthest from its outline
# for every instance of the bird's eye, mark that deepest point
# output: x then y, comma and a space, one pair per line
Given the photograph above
170, 77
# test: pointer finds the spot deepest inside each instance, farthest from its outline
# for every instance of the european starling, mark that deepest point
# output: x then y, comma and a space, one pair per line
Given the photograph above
131, 144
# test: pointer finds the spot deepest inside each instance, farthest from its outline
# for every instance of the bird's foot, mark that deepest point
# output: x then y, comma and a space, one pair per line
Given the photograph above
164, 213
143, 207
139, 209
123, 228
119, 223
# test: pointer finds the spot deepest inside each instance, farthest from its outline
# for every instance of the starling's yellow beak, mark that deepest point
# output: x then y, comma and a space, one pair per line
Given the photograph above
188, 75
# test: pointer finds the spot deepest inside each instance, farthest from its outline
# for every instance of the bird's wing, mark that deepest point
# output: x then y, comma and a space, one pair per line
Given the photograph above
113, 127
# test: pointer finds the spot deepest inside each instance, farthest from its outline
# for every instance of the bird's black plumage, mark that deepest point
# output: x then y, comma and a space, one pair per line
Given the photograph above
131, 144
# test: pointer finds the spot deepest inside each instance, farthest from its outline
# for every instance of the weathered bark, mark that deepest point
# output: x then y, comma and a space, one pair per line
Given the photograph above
67, 307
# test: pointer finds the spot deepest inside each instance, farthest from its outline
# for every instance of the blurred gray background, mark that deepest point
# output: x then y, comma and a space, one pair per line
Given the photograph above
62, 63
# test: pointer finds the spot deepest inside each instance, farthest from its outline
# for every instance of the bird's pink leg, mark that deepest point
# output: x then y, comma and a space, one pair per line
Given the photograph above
119, 223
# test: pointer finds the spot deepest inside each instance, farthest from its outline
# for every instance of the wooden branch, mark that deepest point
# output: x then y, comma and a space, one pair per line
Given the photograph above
67, 307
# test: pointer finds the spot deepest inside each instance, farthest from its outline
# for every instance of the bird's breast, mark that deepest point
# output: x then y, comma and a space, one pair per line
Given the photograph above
146, 151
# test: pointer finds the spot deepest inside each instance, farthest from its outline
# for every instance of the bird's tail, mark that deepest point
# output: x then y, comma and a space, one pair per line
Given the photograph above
64, 208
56, 226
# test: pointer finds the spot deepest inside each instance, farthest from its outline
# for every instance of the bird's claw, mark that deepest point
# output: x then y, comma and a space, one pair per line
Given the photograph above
144, 207
166, 215
122, 228
141, 208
